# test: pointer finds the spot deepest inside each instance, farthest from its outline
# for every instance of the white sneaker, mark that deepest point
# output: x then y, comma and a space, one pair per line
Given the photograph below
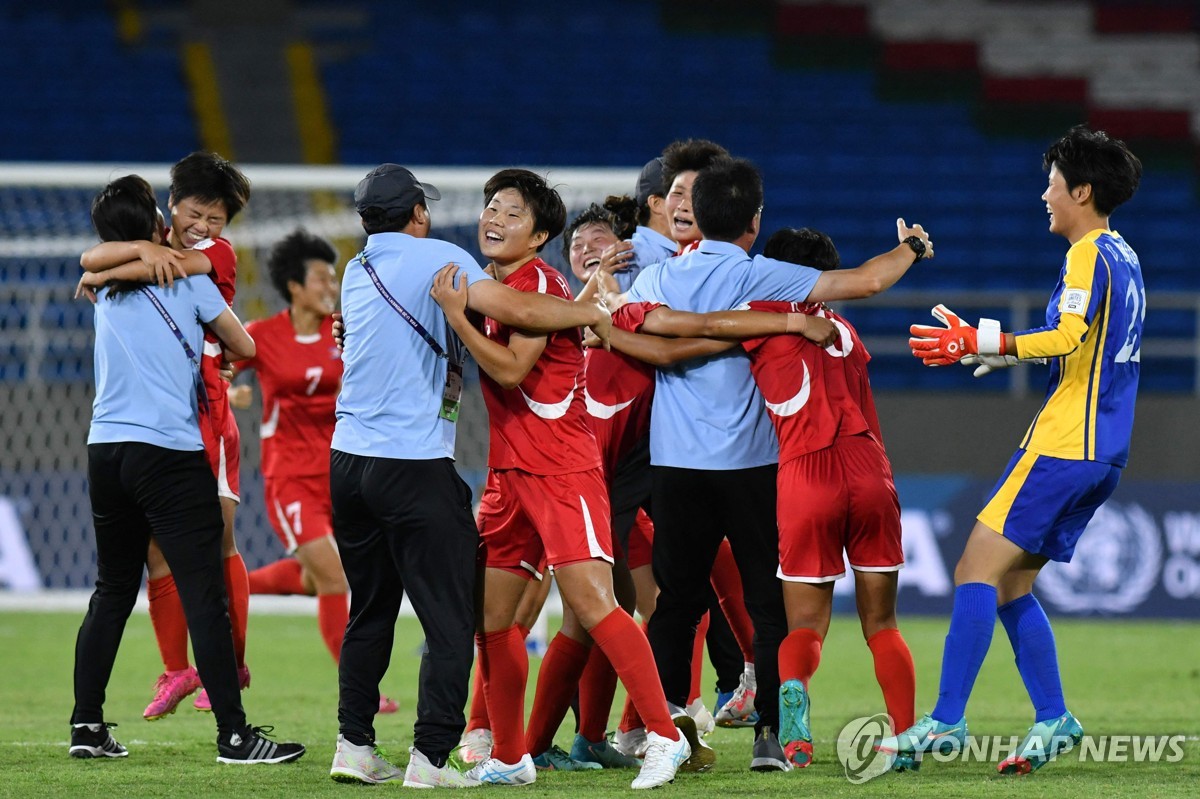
632, 743
365, 764
705, 723
475, 746
423, 774
494, 772
663, 759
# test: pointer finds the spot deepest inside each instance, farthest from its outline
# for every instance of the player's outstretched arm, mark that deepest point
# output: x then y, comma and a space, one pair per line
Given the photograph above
659, 351
533, 312
237, 342
738, 325
509, 365
876, 275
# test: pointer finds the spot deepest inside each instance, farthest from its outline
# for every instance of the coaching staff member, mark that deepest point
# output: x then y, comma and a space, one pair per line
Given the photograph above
148, 475
401, 514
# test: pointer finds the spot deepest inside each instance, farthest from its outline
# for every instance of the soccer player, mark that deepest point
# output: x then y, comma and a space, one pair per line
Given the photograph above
401, 514
714, 451
206, 193
546, 498
835, 487
1067, 464
147, 476
300, 370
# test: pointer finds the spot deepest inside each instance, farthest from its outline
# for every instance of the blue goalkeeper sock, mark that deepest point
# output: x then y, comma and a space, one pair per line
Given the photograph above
967, 642
1037, 658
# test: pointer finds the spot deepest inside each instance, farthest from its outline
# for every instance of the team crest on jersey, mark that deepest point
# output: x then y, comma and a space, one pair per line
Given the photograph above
1115, 566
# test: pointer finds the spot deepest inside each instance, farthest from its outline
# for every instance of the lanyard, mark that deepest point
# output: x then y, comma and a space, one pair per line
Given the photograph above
201, 391
398, 308
187, 348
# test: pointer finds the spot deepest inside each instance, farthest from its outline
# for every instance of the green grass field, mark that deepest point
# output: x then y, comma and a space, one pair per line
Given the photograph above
1121, 678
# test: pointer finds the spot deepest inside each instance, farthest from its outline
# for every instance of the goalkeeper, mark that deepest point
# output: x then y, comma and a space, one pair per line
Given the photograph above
1069, 461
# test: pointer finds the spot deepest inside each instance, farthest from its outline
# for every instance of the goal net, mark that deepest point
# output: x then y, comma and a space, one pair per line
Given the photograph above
46, 381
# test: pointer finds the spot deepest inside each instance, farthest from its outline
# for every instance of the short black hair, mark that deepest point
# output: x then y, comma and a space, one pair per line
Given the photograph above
210, 178
803, 246
619, 214
549, 213
289, 259
726, 197
688, 155
126, 210
377, 220
1093, 157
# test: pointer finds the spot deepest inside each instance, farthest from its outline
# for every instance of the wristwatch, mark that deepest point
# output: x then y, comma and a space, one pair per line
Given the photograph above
917, 245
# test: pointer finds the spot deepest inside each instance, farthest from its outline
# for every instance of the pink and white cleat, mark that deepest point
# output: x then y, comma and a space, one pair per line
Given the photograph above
202, 702
387, 704
171, 688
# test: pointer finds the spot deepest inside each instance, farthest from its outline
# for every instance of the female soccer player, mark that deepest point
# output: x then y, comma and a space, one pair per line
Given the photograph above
1068, 463
546, 497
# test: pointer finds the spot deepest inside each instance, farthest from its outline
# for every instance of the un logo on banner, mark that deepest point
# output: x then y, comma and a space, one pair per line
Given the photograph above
1116, 563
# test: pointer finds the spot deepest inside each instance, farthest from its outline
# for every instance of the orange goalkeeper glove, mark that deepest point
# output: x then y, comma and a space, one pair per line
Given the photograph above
942, 346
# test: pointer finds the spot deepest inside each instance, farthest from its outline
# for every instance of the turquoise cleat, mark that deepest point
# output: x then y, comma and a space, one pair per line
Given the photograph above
602, 752
1044, 741
795, 731
555, 759
926, 735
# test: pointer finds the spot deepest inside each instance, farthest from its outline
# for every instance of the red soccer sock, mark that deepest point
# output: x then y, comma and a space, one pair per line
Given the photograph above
628, 651
170, 625
799, 655
698, 658
727, 583
896, 675
237, 585
557, 681
281, 577
478, 719
597, 687
505, 666
333, 613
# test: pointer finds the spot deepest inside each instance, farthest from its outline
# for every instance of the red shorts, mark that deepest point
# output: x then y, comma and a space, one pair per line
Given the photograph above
527, 519
299, 509
641, 541
841, 498
223, 445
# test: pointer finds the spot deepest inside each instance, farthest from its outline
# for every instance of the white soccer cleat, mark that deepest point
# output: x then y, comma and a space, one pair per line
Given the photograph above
423, 774
364, 764
705, 723
495, 772
632, 743
663, 759
475, 746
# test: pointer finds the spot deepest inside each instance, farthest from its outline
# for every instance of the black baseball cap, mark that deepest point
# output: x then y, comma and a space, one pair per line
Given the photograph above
392, 188
649, 182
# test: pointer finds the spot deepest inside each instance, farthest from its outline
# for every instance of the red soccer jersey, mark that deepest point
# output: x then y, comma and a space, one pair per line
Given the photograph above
618, 394
813, 394
300, 377
224, 273
541, 426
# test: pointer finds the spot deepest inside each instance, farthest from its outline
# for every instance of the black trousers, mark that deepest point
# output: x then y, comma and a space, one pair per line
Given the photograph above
693, 510
403, 526
137, 490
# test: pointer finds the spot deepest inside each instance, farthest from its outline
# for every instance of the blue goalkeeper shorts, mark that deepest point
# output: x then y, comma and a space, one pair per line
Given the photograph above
1042, 504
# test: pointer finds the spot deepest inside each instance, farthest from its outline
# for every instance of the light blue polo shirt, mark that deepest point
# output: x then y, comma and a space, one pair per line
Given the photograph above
649, 247
145, 382
707, 412
393, 382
